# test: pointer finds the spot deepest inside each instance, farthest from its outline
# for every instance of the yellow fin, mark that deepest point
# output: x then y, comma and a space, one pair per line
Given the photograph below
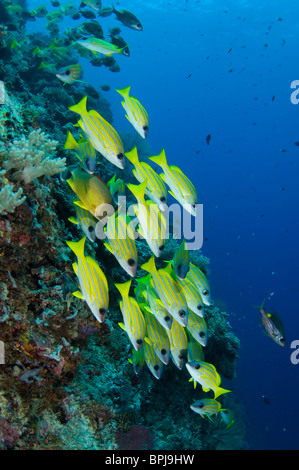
80, 108
124, 91
124, 288
73, 220
77, 247
78, 294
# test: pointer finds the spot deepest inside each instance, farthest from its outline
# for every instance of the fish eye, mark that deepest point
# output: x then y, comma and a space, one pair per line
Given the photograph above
200, 406
163, 351
205, 292
163, 199
182, 313
68, 72
90, 228
193, 205
102, 311
161, 248
197, 366
145, 128
167, 318
139, 341
199, 307
202, 334
120, 156
282, 340
131, 262
156, 367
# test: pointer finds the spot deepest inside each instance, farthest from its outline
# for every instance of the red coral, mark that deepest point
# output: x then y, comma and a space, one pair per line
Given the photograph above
137, 438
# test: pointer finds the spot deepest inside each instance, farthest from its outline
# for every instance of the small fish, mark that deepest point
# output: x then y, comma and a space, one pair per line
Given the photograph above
117, 188
152, 360
195, 351
157, 308
59, 52
55, 3
84, 152
85, 220
92, 192
41, 53
197, 327
55, 16
121, 243
296, 143
136, 113
152, 223
70, 74
40, 12
128, 19
227, 417
121, 44
206, 407
181, 187
192, 296
157, 337
76, 15
92, 281
101, 134
99, 45
106, 11
105, 87
47, 67
90, 15
198, 278
95, 4
92, 27
181, 261
155, 188
267, 401
273, 325
208, 138
168, 292
134, 322
178, 344
206, 375
69, 8
138, 360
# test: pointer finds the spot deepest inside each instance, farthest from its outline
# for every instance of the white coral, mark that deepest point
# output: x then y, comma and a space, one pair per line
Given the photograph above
34, 157
9, 199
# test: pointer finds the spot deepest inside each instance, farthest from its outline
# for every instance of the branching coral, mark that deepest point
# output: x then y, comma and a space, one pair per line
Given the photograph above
9, 199
33, 157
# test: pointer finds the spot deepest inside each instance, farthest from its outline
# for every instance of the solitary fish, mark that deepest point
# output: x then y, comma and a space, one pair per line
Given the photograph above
273, 325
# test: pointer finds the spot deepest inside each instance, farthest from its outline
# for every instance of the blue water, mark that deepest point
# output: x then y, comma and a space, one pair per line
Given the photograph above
191, 85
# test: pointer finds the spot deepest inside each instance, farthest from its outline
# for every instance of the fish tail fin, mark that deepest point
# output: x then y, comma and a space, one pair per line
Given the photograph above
260, 307
110, 182
70, 141
36, 50
138, 190
159, 159
220, 391
80, 108
132, 156
124, 288
124, 91
77, 247
150, 265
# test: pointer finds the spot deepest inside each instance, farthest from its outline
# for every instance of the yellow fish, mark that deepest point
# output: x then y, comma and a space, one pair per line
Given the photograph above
136, 113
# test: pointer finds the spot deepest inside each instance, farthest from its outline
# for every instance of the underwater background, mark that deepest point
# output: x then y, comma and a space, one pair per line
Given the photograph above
200, 68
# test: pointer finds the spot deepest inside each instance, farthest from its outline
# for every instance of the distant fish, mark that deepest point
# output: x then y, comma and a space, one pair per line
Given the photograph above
273, 325
105, 87
55, 3
208, 138
267, 401
90, 15
95, 4
70, 74
273, 98
128, 19
297, 143
40, 11
106, 11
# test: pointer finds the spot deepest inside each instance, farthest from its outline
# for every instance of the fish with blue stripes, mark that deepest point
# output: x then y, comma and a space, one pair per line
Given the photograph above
152, 360
192, 296
100, 133
92, 281
137, 360
155, 188
84, 152
198, 278
152, 223
207, 376
117, 189
157, 308
70, 74
206, 407
86, 221
197, 327
136, 113
168, 292
156, 335
133, 319
181, 261
92, 192
180, 186
121, 243
178, 344
195, 351
101, 46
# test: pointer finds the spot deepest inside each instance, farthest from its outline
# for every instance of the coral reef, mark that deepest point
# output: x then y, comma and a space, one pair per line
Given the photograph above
66, 382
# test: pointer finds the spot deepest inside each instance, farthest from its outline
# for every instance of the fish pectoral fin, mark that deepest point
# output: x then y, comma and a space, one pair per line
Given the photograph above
78, 294
205, 389
80, 204
73, 220
122, 326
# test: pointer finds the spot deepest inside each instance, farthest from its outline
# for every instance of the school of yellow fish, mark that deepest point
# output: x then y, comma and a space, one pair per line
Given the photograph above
165, 317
